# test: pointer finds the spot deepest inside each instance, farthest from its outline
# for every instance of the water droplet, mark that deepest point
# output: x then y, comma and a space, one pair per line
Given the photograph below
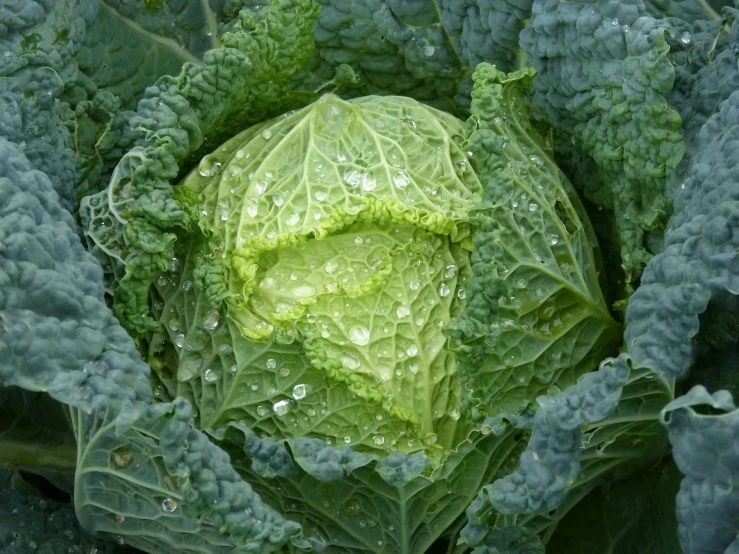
403, 310
187, 285
262, 411
401, 180
320, 195
271, 364
162, 281
350, 361
412, 350
312, 318
301, 391
292, 219
278, 198
97, 367
461, 294
261, 187
233, 368
353, 178
415, 285
121, 458
359, 335
210, 322
174, 324
179, 340
455, 414
331, 267
414, 368
379, 440
173, 265
209, 166
429, 50
686, 37
347, 440
341, 157
420, 321
351, 507
222, 210
369, 182
553, 240
252, 207
304, 291
266, 134
444, 290
450, 271
283, 407
169, 505
533, 207
212, 375
284, 372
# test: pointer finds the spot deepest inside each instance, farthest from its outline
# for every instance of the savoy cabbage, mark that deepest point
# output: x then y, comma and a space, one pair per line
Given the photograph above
369, 276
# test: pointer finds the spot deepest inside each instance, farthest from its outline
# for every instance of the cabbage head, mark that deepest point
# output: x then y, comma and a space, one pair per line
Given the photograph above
369, 296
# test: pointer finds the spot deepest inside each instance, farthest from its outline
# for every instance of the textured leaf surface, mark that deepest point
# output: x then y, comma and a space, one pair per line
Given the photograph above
259, 54
536, 317
705, 450
58, 336
603, 88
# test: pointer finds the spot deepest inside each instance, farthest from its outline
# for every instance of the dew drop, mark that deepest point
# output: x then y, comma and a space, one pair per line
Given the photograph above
262, 411
169, 505
301, 391
350, 361
292, 219
403, 311
252, 207
283, 407
278, 198
121, 458
461, 294
179, 340
359, 335
210, 322
209, 166
444, 290
412, 350
369, 183
212, 375
533, 207
353, 178
187, 285
261, 187
401, 180
320, 195
450, 271
271, 364
379, 440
